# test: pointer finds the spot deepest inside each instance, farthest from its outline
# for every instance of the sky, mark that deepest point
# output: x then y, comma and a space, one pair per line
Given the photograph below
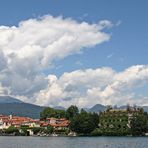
80, 52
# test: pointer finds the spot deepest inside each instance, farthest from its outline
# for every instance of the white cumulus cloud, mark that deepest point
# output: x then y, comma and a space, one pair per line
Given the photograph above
91, 86
31, 47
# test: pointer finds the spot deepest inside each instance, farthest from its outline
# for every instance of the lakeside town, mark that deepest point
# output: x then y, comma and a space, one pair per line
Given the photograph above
15, 125
132, 121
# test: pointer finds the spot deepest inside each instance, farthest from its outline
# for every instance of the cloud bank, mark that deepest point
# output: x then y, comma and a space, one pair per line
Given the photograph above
88, 87
29, 49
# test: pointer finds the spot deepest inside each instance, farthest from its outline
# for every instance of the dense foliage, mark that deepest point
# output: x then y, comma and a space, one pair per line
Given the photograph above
139, 124
50, 112
80, 122
72, 112
132, 121
12, 130
84, 123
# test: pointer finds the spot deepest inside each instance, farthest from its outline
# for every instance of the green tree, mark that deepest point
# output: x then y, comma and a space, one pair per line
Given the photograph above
47, 112
50, 112
95, 118
139, 125
109, 107
72, 112
49, 130
37, 130
12, 130
60, 113
96, 132
83, 123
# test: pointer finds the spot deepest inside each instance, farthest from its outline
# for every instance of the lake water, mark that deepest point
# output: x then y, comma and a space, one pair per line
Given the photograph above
73, 142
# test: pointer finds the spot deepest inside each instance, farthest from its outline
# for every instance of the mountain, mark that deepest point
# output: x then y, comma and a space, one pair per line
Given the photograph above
9, 99
145, 108
13, 106
59, 108
97, 108
122, 107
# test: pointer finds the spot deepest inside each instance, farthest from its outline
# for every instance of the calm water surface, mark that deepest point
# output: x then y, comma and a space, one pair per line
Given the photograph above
73, 142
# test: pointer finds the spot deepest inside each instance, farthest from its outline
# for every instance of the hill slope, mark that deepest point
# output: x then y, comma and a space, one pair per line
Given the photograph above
97, 108
21, 109
9, 99
10, 105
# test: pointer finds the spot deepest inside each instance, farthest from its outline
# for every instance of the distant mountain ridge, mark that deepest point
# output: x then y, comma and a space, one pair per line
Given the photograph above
59, 108
98, 107
9, 99
12, 106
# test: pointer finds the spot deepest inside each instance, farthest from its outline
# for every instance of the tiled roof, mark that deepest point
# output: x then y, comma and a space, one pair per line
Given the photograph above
16, 120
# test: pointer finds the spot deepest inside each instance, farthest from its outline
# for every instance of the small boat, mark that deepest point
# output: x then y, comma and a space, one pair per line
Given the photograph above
54, 135
73, 134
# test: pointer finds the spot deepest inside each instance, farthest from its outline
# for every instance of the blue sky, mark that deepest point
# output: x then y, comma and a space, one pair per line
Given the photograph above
127, 46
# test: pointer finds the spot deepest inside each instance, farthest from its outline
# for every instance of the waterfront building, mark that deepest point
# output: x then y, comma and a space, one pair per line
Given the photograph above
57, 123
117, 121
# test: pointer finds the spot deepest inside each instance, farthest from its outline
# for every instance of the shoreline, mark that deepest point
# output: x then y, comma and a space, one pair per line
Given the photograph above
66, 136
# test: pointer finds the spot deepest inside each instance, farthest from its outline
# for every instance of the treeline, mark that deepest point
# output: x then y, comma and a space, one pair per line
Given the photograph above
81, 122
86, 123
139, 124
23, 131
